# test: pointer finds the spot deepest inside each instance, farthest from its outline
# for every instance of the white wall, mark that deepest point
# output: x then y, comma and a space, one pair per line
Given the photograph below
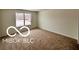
60, 21
34, 20
8, 19
78, 29
0, 23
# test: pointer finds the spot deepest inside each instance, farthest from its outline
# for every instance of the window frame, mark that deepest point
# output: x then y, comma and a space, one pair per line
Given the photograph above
24, 19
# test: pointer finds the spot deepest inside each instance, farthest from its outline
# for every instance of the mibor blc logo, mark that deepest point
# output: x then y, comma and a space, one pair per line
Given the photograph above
22, 38
12, 27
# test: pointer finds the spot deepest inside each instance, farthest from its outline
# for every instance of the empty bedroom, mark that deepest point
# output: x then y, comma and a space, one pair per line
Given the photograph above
39, 29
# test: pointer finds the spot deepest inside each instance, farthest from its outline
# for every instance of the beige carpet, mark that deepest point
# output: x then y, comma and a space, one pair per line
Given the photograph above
41, 40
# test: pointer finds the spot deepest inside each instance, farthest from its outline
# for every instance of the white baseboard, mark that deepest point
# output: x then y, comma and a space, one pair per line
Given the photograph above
61, 34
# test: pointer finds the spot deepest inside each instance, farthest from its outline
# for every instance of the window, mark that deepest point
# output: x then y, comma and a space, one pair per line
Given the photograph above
23, 19
27, 19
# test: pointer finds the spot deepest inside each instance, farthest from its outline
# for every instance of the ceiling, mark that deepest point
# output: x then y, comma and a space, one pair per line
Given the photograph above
35, 9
